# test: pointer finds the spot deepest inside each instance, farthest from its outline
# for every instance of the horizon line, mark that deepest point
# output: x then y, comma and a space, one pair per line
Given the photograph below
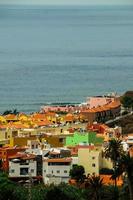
35, 4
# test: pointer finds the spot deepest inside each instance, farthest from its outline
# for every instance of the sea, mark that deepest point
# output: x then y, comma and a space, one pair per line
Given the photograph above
63, 54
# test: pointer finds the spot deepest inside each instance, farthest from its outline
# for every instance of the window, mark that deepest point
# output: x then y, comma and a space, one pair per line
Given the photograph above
93, 165
23, 171
58, 171
12, 171
32, 170
44, 171
93, 157
23, 162
52, 171
61, 140
65, 171
61, 163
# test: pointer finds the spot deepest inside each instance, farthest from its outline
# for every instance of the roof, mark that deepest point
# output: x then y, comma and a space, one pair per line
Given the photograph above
2, 118
38, 116
106, 107
52, 114
59, 160
16, 125
69, 117
11, 117
43, 123
9, 148
23, 156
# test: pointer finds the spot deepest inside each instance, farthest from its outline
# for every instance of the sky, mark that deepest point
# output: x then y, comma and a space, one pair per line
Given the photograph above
68, 2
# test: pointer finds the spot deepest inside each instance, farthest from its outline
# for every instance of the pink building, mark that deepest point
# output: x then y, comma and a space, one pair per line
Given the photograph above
95, 102
66, 108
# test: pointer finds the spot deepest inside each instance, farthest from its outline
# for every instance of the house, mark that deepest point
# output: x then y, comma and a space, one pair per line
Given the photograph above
55, 140
102, 113
105, 131
56, 167
6, 153
21, 141
91, 158
83, 137
97, 101
22, 165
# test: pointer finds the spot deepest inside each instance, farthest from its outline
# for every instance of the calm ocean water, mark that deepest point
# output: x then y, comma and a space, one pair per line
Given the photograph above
63, 54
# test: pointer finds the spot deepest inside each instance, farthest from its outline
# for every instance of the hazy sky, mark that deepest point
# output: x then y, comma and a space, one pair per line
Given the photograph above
76, 2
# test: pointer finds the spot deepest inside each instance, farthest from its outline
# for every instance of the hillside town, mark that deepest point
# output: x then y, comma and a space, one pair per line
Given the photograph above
48, 143
43, 147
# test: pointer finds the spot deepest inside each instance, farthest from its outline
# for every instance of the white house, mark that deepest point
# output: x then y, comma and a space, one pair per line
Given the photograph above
56, 170
22, 165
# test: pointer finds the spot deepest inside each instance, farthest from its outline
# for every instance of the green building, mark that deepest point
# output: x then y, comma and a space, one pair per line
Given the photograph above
83, 137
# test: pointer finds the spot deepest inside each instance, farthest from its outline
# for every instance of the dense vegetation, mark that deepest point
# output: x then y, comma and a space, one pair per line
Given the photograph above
127, 99
94, 190
90, 187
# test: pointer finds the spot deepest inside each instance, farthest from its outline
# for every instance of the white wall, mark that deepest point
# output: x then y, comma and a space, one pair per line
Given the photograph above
14, 169
56, 171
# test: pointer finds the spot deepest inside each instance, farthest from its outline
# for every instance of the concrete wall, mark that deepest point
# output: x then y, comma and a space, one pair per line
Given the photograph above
60, 171
14, 169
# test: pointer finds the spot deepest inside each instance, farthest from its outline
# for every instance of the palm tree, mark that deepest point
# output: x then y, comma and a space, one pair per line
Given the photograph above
114, 151
125, 164
95, 184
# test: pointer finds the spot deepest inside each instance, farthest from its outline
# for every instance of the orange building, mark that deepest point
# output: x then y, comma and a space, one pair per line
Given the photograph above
5, 153
102, 113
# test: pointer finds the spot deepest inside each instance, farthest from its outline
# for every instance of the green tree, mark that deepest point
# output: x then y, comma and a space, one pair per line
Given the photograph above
127, 102
63, 192
78, 173
20, 193
114, 151
125, 164
6, 187
110, 192
6, 112
15, 112
38, 192
95, 184
106, 171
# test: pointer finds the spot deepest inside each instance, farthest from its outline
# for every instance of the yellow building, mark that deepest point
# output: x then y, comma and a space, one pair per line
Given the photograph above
6, 134
20, 141
2, 120
90, 157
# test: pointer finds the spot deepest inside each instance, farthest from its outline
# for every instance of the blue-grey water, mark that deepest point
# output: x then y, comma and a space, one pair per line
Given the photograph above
63, 54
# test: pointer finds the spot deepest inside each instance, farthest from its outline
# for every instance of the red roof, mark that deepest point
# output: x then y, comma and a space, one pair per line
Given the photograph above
59, 160
23, 156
